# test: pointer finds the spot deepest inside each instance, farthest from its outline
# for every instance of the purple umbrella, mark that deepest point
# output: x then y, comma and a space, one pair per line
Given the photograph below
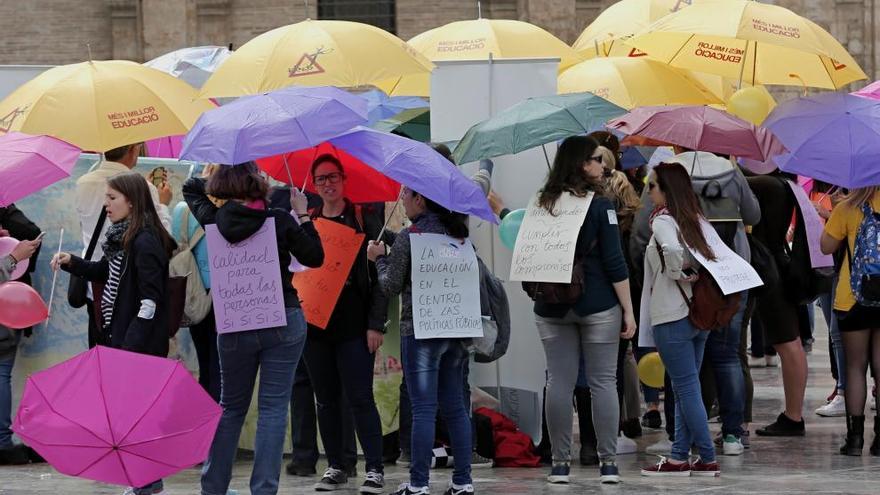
699, 128
30, 163
272, 123
418, 167
833, 137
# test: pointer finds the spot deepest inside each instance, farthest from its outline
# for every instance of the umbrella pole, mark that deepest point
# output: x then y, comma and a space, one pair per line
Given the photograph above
382, 232
55, 276
287, 168
742, 67
546, 158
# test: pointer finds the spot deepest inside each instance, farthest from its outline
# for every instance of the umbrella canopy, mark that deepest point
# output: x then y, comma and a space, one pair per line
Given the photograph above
102, 105
269, 124
415, 123
832, 137
381, 106
619, 22
475, 40
764, 43
117, 417
363, 184
635, 82
870, 91
30, 163
191, 65
165, 147
315, 53
533, 122
698, 128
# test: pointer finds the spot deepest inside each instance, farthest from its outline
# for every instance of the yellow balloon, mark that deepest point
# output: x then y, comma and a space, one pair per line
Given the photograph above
651, 370
749, 104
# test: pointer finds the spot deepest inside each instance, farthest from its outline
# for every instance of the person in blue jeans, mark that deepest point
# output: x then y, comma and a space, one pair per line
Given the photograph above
676, 225
434, 368
237, 205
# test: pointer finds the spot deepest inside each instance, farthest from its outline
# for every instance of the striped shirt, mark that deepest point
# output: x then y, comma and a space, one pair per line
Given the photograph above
111, 288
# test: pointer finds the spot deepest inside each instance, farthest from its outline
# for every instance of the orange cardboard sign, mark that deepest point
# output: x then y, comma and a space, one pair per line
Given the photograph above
319, 288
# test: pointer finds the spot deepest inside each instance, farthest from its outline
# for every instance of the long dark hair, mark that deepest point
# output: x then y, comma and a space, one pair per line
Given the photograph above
327, 158
610, 141
143, 213
241, 181
567, 174
674, 181
456, 224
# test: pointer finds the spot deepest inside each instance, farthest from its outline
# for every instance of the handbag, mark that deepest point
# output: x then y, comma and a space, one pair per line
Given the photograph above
77, 288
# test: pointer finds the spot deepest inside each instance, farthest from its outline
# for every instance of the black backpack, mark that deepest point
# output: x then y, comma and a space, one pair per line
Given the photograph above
721, 212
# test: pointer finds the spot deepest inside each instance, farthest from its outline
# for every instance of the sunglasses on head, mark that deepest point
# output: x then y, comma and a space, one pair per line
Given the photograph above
332, 178
597, 159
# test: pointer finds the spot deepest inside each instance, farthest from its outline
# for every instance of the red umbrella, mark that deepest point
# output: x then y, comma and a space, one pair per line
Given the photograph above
363, 183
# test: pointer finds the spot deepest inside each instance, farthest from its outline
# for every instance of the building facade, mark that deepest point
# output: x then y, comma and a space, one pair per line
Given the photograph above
68, 31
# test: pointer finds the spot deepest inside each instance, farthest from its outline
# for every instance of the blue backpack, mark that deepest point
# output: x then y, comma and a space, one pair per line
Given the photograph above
864, 268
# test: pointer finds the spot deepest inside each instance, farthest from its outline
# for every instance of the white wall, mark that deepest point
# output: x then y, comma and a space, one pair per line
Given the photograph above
13, 76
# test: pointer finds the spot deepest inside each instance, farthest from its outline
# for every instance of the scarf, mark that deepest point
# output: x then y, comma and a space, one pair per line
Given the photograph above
658, 210
115, 234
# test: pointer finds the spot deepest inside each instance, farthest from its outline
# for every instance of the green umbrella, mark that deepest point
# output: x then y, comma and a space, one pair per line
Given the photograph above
415, 123
535, 122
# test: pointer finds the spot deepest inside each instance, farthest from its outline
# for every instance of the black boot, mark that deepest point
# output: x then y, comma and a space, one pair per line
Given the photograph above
875, 445
855, 436
588, 456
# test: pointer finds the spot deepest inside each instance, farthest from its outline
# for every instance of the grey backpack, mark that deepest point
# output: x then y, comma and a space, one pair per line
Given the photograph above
495, 309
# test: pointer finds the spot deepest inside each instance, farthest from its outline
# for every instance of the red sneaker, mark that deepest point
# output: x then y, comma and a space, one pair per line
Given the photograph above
700, 468
666, 468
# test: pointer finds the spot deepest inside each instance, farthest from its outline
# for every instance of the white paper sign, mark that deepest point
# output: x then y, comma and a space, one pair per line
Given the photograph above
445, 288
546, 243
731, 272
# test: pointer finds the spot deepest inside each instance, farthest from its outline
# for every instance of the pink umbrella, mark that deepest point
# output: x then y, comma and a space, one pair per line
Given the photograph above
871, 91
698, 128
117, 417
165, 147
30, 163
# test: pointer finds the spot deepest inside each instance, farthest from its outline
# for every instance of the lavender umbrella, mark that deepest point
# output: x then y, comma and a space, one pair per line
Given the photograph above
272, 123
833, 137
418, 167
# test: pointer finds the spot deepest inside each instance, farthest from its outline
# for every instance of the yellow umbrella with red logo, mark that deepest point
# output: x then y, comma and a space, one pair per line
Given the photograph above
101, 105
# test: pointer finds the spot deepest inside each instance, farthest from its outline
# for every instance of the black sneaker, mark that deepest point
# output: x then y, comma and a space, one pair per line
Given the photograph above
632, 428
13, 456
559, 473
374, 482
405, 489
783, 427
296, 469
652, 420
608, 473
459, 490
332, 480
404, 460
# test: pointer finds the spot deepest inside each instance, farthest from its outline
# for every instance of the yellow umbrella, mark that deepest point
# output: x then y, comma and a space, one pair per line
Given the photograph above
102, 105
620, 22
315, 53
475, 40
635, 82
760, 43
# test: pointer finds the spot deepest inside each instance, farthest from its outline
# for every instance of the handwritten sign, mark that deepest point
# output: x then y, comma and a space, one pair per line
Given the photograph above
245, 280
731, 272
814, 227
445, 288
545, 245
319, 288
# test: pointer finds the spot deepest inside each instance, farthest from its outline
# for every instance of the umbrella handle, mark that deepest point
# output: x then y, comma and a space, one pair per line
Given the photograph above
382, 232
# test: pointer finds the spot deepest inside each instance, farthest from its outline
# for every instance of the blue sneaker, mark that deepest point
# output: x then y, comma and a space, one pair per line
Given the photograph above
559, 473
608, 472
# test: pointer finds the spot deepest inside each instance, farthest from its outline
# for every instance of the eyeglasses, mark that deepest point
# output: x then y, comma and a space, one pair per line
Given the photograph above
332, 178
597, 159
651, 185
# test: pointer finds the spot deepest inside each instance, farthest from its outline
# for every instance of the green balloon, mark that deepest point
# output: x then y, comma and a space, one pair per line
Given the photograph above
510, 227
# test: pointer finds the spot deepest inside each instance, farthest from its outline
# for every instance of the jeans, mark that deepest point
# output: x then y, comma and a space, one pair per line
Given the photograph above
434, 370
6, 365
596, 337
651, 394
722, 352
204, 337
346, 366
826, 302
681, 347
274, 352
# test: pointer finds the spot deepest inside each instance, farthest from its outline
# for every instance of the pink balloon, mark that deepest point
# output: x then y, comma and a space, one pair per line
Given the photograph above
7, 244
21, 306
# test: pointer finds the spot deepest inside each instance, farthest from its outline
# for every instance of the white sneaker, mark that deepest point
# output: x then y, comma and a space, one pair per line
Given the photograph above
874, 403
834, 409
626, 445
664, 446
757, 362
772, 361
732, 446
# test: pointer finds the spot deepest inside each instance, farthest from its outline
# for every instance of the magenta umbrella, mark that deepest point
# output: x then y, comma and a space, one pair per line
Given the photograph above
698, 128
117, 417
165, 147
30, 163
871, 91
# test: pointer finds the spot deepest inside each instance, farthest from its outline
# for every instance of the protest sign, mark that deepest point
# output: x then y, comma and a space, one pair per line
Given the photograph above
814, 227
731, 272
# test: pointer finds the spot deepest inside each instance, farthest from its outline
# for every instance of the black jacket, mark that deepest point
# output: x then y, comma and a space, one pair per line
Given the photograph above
236, 222
144, 276
362, 305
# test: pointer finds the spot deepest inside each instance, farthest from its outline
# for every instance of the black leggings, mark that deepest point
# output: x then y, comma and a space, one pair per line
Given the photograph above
861, 348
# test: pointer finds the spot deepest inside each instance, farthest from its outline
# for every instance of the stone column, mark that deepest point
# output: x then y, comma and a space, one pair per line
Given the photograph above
126, 29
556, 16
167, 26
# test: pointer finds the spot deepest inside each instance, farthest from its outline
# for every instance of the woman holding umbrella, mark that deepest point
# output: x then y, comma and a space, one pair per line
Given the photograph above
341, 356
